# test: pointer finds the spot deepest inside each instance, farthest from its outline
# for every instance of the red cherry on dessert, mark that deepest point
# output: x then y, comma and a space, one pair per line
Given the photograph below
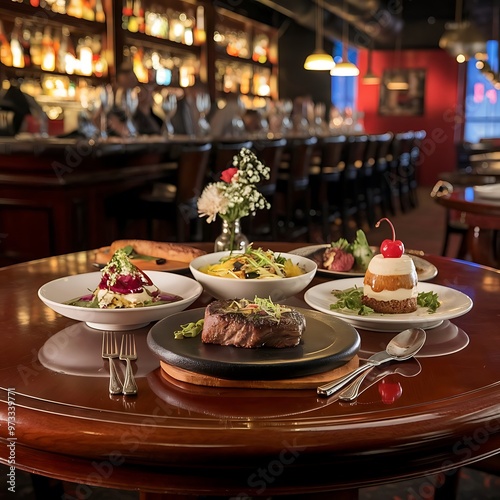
391, 249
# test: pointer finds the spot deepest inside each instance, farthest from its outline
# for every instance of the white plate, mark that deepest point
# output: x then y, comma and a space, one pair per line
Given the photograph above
453, 304
425, 270
58, 291
491, 191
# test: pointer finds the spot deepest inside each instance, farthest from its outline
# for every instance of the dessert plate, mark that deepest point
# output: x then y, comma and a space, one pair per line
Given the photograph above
425, 270
55, 293
453, 304
326, 344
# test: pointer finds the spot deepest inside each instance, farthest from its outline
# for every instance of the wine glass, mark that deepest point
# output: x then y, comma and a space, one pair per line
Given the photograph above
131, 101
169, 107
203, 106
106, 98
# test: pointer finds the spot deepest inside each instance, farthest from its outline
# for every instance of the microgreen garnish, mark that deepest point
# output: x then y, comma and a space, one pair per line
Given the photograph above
351, 299
259, 306
189, 329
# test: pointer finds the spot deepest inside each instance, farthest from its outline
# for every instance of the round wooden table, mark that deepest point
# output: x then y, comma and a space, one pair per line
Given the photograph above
482, 216
433, 414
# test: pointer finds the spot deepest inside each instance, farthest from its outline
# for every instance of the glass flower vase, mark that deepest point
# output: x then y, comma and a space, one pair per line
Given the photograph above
231, 237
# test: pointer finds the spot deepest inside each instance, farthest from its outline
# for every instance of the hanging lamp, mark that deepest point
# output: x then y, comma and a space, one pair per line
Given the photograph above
319, 60
462, 39
370, 78
345, 67
397, 80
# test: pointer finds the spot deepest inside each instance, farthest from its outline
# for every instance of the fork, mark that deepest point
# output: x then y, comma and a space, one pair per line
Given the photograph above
110, 351
128, 353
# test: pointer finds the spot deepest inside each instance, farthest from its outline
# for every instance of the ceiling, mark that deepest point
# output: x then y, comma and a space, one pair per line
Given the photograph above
376, 23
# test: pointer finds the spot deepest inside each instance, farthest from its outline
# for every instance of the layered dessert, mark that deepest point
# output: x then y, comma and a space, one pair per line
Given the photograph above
390, 283
124, 285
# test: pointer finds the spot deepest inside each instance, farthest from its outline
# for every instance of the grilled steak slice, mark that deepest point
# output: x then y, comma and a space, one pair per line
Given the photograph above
225, 327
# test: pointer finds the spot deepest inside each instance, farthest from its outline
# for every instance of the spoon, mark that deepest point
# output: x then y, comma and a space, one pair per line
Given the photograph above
403, 346
352, 391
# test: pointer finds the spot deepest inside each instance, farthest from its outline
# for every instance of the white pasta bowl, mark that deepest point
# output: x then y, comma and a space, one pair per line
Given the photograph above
277, 289
55, 293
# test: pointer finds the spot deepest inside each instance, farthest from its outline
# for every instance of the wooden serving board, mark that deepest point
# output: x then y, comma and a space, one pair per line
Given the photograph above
307, 382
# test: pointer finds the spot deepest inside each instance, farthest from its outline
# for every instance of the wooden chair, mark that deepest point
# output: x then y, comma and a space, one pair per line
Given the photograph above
380, 186
178, 202
293, 185
270, 153
351, 199
323, 183
399, 168
418, 137
222, 156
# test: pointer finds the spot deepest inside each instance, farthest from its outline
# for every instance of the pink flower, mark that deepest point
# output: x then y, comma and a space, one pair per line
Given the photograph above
228, 174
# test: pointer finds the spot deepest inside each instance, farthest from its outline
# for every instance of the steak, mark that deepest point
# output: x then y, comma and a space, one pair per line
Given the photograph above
224, 325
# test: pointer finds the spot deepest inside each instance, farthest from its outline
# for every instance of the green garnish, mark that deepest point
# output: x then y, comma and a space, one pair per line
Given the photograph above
351, 299
359, 248
189, 329
259, 306
429, 300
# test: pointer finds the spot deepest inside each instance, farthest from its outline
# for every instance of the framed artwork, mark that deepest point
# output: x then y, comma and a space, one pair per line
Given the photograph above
402, 100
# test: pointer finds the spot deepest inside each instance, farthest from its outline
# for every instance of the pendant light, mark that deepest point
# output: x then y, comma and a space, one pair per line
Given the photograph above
319, 60
370, 78
462, 39
396, 78
345, 67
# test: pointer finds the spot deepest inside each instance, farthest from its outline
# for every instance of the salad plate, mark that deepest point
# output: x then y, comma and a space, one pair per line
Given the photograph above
326, 343
453, 305
56, 293
425, 270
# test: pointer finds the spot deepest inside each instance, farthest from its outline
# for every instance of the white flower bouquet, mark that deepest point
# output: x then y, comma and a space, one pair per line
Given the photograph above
235, 195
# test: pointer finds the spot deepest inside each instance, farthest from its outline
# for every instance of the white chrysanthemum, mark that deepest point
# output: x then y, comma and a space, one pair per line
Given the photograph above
212, 202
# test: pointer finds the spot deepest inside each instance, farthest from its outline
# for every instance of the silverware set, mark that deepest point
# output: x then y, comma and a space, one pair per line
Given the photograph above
127, 353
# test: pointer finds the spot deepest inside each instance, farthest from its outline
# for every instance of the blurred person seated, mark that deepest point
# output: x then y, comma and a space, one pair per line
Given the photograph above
186, 119
227, 119
145, 120
117, 122
18, 111
252, 120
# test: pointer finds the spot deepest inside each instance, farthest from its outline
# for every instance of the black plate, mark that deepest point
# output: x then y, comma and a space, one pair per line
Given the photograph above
327, 343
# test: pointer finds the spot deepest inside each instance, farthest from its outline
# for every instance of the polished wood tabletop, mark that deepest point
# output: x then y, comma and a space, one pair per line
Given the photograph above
431, 414
482, 216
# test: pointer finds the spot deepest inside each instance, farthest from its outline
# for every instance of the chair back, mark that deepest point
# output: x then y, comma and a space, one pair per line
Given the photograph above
332, 149
222, 156
192, 172
270, 152
301, 151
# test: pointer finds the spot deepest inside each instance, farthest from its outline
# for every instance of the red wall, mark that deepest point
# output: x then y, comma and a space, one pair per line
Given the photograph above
438, 120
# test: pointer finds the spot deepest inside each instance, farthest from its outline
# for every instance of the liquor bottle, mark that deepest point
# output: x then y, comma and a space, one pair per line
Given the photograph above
26, 43
85, 55
69, 64
133, 21
16, 47
48, 55
139, 16
188, 37
100, 16
200, 35
88, 12
5, 50
75, 8
36, 49
126, 13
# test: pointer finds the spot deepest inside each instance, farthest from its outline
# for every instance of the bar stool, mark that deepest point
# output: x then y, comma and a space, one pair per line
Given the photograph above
381, 190
176, 202
418, 137
324, 182
269, 152
293, 185
222, 156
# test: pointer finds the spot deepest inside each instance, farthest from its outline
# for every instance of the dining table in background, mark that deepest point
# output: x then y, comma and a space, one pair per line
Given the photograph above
481, 215
434, 414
